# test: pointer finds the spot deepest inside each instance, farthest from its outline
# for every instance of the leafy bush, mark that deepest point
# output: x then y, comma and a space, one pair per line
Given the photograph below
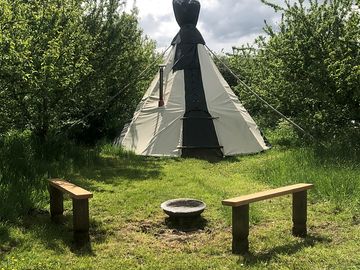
25, 165
21, 182
308, 68
283, 135
62, 60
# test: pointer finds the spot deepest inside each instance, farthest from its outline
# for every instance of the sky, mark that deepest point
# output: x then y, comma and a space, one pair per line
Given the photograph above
223, 23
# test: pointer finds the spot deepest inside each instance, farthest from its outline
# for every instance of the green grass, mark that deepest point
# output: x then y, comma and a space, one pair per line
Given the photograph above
335, 179
129, 231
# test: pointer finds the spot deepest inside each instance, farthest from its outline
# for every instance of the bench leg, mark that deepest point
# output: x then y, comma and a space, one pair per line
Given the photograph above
240, 229
56, 203
81, 220
299, 213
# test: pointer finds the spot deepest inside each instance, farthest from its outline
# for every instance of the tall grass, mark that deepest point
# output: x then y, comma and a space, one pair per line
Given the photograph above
334, 168
26, 163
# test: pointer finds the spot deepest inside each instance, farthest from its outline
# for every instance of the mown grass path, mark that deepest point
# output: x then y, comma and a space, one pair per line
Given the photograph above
129, 230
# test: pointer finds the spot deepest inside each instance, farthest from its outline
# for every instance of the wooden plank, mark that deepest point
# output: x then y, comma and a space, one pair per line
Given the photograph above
74, 191
259, 196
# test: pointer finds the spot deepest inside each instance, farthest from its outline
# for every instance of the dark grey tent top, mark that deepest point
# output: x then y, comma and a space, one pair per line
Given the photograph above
186, 11
187, 15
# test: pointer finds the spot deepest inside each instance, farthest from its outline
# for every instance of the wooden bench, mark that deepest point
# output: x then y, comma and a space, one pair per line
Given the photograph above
240, 213
80, 199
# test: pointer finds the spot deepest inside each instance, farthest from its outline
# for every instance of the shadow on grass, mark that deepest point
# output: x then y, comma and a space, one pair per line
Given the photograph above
288, 249
186, 224
58, 236
114, 171
213, 159
7, 243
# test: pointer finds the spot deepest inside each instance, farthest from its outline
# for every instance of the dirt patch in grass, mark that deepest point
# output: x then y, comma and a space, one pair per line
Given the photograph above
356, 220
168, 232
333, 232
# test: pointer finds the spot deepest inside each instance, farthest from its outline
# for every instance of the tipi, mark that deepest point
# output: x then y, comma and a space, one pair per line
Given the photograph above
189, 109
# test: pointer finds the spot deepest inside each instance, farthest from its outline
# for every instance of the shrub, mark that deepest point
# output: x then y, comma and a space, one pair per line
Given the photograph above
283, 135
25, 165
21, 182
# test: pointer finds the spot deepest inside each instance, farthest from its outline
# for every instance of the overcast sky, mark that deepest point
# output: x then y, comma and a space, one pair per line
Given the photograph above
223, 23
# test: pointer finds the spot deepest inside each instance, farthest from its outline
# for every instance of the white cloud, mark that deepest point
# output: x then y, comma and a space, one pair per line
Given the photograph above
223, 24
153, 7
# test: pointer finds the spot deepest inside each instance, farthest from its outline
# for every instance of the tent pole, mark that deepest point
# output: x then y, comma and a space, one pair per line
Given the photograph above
161, 86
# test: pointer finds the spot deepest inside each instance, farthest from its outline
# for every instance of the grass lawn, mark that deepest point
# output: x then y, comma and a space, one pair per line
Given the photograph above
129, 230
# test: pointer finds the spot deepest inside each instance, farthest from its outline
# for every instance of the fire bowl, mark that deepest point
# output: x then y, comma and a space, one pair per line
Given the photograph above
183, 208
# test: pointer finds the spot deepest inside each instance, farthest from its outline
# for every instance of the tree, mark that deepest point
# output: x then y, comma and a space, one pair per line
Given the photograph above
44, 54
309, 68
61, 60
119, 55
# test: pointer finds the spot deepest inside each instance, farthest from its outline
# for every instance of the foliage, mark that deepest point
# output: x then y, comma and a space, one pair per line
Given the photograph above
44, 54
60, 60
283, 135
26, 162
119, 55
19, 175
308, 68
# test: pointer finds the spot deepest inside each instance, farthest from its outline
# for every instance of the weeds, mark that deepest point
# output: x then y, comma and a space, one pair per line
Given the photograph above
26, 163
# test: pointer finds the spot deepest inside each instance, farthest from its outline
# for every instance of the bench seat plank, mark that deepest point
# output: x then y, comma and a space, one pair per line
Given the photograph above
74, 191
246, 199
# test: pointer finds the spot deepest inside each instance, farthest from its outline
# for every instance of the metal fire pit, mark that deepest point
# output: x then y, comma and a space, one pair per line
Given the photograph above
183, 208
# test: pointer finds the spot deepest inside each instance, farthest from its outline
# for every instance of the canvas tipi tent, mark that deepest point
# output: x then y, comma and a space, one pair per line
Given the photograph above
189, 109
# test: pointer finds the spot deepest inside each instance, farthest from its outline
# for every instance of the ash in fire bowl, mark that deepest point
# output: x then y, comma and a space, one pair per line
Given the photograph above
183, 207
